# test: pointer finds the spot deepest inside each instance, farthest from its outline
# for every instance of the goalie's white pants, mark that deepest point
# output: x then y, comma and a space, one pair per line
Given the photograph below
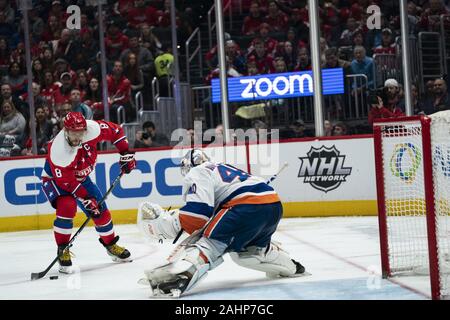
272, 260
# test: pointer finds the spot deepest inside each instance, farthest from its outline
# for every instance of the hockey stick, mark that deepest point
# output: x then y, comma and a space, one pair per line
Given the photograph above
39, 275
197, 234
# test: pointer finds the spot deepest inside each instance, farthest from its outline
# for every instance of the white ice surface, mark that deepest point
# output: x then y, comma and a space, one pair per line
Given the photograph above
342, 254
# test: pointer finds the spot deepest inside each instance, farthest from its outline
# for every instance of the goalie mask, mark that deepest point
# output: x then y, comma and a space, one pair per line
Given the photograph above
192, 159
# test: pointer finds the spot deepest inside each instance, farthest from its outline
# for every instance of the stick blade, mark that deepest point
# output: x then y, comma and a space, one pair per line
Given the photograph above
36, 276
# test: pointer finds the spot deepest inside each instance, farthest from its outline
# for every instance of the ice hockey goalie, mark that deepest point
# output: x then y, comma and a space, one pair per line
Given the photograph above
226, 211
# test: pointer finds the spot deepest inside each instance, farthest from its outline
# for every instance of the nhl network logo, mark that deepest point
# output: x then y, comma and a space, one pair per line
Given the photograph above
323, 168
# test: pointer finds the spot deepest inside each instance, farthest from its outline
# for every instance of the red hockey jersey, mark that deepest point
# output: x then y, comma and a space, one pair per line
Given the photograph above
68, 166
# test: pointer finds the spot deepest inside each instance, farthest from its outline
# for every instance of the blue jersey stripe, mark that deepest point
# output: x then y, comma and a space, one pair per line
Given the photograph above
63, 223
47, 169
256, 188
198, 208
106, 228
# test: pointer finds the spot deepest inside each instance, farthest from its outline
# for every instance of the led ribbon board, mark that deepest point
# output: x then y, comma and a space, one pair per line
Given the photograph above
279, 85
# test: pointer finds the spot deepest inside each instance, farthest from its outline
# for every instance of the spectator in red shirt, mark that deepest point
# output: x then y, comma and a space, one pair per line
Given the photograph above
140, 14
62, 94
387, 43
61, 66
392, 96
430, 18
231, 72
253, 20
270, 44
119, 90
378, 110
53, 29
264, 61
58, 11
276, 19
115, 41
252, 68
48, 88
164, 19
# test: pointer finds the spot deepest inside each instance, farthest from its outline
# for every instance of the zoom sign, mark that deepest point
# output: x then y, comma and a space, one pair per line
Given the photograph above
279, 85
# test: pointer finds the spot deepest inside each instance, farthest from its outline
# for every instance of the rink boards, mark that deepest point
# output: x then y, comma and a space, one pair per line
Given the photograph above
324, 177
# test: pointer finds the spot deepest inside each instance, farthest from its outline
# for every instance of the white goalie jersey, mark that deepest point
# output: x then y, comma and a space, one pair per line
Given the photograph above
210, 187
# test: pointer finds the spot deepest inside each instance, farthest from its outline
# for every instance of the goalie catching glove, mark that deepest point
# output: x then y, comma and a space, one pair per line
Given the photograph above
156, 223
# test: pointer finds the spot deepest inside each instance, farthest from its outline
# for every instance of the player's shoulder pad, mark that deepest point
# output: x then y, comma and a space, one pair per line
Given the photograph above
93, 130
205, 168
202, 170
61, 154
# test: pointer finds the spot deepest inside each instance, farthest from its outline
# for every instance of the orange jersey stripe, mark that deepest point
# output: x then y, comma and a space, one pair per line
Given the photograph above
214, 222
253, 199
190, 223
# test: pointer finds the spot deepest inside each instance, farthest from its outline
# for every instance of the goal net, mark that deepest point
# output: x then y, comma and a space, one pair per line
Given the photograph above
412, 159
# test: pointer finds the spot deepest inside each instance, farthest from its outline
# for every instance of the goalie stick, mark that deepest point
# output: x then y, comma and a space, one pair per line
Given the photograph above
39, 275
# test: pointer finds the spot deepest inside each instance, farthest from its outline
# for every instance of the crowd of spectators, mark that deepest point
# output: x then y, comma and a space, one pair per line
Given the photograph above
276, 33
65, 63
273, 38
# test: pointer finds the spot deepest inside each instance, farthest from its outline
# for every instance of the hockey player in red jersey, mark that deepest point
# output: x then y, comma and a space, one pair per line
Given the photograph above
71, 157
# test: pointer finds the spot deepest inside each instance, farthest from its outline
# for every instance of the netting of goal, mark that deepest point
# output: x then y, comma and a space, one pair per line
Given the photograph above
412, 157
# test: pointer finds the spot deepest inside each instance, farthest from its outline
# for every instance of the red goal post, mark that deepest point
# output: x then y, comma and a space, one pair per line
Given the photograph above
412, 163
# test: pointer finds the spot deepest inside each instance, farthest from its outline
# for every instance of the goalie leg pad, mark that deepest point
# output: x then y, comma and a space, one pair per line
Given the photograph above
182, 275
273, 260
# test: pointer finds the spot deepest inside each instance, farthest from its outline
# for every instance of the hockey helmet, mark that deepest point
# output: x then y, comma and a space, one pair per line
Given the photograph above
192, 159
75, 121
75, 128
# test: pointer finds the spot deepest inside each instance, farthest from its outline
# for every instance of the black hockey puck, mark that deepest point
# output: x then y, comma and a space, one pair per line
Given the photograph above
54, 277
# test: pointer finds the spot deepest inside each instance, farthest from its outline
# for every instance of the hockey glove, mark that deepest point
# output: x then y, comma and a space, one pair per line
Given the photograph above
127, 162
91, 207
157, 224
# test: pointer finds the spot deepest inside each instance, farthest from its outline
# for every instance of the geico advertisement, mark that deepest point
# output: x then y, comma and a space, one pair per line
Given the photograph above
157, 178
322, 170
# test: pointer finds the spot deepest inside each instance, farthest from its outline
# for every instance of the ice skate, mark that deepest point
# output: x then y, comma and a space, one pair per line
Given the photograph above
116, 252
64, 260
